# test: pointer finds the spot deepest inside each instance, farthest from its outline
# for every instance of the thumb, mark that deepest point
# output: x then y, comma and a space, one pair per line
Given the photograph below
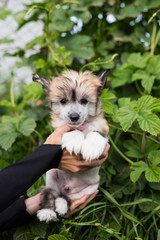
64, 128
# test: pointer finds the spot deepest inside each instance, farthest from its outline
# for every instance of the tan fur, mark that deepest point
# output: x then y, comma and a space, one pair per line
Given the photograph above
86, 85
64, 186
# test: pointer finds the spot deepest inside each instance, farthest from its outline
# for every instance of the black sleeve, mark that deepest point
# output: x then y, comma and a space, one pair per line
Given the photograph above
14, 215
18, 177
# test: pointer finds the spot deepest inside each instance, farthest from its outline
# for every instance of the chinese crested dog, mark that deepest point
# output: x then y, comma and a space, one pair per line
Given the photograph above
74, 100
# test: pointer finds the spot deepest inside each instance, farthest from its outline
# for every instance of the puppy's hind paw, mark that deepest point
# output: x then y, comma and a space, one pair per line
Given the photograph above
47, 215
61, 206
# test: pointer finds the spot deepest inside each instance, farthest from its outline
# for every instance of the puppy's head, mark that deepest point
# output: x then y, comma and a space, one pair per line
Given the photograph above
73, 96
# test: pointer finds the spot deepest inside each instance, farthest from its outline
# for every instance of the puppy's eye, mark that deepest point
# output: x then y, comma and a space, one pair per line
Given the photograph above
63, 101
84, 101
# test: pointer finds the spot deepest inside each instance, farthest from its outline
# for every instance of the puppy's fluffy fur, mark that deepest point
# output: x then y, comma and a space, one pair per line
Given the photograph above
75, 100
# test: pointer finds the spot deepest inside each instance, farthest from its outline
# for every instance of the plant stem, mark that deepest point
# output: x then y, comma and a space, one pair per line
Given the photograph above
143, 142
33, 141
138, 89
153, 37
99, 63
12, 93
117, 149
156, 40
39, 135
134, 132
113, 126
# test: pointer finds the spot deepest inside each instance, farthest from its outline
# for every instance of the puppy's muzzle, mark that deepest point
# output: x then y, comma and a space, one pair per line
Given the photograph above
74, 117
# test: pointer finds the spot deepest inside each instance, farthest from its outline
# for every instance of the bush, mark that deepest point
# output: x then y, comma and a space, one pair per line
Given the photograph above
122, 36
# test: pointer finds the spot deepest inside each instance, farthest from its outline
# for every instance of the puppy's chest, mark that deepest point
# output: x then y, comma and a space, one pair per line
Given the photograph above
90, 127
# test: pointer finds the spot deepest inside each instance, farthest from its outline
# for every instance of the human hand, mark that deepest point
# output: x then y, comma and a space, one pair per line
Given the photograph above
79, 204
56, 136
75, 163
33, 204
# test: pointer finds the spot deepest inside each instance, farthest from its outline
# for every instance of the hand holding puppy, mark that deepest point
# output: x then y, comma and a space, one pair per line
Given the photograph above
72, 162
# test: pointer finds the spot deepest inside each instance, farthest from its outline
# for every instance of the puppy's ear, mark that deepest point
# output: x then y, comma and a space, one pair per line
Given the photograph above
44, 82
103, 78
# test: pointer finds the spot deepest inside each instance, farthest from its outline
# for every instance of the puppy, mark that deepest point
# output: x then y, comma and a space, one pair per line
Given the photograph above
75, 100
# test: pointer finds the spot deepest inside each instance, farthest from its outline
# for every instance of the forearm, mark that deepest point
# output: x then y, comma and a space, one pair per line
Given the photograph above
18, 177
14, 215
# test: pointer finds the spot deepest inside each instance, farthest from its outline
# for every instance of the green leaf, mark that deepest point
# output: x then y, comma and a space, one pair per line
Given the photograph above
6, 40
40, 63
22, 233
60, 20
37, 112
57, 237
102, 49
27, 126
122, 102
154, 66
36, 41
7, 104
126, 116
147, 83
149, 122
154, 157
4, 13
38, 228
8, 134
148, 103
134, 149
3, 164
33, 90
106, 105
86, 3
155, 105
79, 45
129, 11
137, 169
120, 77
80, 13
142, 111
147, 80
152, 174
14, 120
137, 60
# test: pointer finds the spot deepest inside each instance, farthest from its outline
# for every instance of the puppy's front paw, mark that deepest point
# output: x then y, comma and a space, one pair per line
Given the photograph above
72, 141
47, 215
93, 146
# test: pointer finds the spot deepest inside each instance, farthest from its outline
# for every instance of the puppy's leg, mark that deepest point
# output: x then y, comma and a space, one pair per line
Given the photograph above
61, 206
73, 141
51, 206
93, 146
47, 212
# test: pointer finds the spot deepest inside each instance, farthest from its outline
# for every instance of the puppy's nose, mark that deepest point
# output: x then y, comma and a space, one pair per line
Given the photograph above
74, 117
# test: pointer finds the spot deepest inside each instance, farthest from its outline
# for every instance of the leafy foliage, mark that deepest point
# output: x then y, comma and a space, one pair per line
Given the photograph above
94, 35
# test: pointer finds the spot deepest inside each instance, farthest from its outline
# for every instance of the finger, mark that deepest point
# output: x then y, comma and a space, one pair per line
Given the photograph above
83, 202
80, 207
64, 128
105, 152
78, 202
91, 197
97, 163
